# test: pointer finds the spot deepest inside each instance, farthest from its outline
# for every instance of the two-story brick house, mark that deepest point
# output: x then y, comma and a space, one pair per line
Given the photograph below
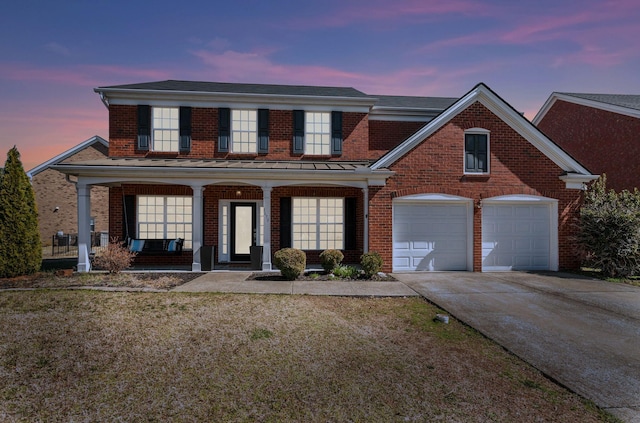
602, 131
429, 183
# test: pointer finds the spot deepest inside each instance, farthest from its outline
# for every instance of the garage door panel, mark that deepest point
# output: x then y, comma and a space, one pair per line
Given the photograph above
516, 237
435, 235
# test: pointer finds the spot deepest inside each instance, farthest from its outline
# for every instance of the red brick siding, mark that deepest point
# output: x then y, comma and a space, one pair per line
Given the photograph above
604, 142
386, 135
436, 166
214, 193
204, 141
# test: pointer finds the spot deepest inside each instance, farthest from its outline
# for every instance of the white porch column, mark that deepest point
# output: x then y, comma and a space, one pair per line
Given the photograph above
266, 248
365, 200
196, 227
84, 226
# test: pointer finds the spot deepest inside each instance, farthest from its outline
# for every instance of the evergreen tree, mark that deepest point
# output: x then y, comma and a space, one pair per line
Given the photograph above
20, 247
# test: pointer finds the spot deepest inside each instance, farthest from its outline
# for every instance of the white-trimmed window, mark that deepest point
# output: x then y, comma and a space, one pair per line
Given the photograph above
317, 133
476, 151
318, 223
165, 129
165, 217
244, 131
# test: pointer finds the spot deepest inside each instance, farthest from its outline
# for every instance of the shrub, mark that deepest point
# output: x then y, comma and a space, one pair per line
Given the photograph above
609, 230
291, 262
371, 263
20, 245
330, 259
115, 258
346, 272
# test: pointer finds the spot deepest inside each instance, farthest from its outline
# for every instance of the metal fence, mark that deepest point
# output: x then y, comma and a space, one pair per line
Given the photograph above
67, 244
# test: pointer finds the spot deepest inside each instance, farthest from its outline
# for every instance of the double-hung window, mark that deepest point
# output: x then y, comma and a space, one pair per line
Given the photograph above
166, 129
318, 223
244, 131
165, 217
476, 152
317, 133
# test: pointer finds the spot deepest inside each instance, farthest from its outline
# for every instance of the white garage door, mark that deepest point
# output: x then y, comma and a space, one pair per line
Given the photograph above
430, 236
516, 237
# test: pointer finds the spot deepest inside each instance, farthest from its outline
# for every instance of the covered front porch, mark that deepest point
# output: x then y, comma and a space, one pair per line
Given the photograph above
224, 209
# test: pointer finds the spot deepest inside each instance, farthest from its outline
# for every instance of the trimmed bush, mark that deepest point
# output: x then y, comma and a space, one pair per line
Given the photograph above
330, 259
20, 246
115, 258
291, 262
371, 263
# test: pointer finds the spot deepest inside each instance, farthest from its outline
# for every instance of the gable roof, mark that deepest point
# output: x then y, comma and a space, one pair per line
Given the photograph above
483, 94
625, 104
70, 152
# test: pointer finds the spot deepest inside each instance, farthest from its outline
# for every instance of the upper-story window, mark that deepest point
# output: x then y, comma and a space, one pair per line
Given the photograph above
476, 151
166, 127
317, 133
244, 131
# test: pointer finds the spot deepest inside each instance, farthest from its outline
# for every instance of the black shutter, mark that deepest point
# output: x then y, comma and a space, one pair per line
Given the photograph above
285, 222
185, 130
350, 223
129, 227
224, 129
263, 131
298, 132
144, 127
336, 133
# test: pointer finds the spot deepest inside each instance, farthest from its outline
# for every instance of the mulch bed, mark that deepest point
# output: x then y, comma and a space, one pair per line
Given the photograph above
316, 276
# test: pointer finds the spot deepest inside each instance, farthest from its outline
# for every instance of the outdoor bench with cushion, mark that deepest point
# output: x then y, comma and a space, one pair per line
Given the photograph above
156, 246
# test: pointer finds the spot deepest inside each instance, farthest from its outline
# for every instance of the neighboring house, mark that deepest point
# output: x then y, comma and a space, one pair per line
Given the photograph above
429, 183
56, 197
601, 131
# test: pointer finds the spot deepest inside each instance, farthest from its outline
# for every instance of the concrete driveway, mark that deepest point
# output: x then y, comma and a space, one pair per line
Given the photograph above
581, 332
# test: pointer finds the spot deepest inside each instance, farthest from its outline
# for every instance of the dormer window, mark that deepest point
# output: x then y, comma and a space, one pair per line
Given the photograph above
476, 151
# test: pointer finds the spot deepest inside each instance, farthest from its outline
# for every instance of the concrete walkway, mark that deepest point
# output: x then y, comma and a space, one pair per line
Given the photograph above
583, 333
235, 282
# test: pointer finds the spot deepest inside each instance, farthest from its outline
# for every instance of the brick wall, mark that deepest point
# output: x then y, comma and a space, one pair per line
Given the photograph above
52, 190
602, 141
214, 193
436, 166
204, 137
386, 135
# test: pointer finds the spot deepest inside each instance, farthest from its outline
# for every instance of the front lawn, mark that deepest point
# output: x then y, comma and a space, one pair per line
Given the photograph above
114, 356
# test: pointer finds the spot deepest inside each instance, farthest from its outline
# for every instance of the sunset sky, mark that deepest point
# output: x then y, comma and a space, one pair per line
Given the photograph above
54, 53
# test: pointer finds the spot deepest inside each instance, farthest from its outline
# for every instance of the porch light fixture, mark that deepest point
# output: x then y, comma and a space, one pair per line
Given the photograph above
238, 193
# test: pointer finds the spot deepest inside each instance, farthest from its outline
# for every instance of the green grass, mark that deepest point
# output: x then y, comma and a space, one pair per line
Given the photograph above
108, 356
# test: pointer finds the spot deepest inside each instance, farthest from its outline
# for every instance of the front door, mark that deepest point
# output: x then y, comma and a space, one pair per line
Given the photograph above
243, 230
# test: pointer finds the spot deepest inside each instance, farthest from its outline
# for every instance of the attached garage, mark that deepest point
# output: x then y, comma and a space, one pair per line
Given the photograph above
519, 233
432, 232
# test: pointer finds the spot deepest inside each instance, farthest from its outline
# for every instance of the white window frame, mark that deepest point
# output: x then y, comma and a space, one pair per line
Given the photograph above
244, 131
164, 218
165, 129
476, 131
317, 134
316, 220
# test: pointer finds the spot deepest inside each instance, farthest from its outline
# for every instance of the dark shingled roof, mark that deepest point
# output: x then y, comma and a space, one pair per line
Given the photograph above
235, 88
438, 103
629, 101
